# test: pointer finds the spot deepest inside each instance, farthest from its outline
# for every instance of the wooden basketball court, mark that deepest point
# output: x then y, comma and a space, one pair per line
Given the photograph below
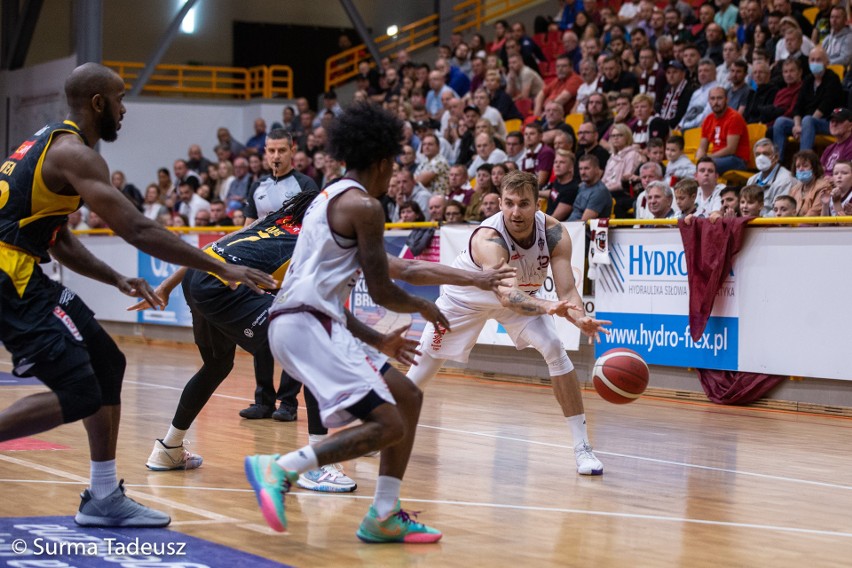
686, 484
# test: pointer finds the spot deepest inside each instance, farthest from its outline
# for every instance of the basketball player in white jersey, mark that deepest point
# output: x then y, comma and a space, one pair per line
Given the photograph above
314, 337
526, 239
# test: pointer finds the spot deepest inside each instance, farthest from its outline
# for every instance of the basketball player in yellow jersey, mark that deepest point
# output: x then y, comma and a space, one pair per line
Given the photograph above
50, 332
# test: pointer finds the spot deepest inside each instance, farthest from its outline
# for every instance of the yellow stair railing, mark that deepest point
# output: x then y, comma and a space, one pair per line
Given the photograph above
232, 82
473, 14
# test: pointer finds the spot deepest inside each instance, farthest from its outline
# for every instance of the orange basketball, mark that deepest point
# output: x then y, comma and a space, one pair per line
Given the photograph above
620, 376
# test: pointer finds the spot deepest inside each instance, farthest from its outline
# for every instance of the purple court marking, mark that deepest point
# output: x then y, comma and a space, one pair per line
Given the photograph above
58, 541
10, 380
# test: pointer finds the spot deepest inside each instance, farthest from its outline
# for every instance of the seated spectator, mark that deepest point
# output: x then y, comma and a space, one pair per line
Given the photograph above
464, 146
751, 201
458, 188
730, 199
660, 199
839, 201
218, 214
202, 218
538, 157
784, 206
522, 82
483, 188
76, 222
487, 152
840, 126
410, 212
652, 75
153, 205
190, 202
587, 143
838, 43
409, 190
227, 141
331, 108
238, 189
649, 172
434, 98
699, 107
622, 114
239, 218
730, 53
655, 151
794, 44
708, 198
515, 146
686, 194
598, 114
454, 77
454, 213
433, 172
127, 189
562, 191
437, 204
197, 162
739, 93
616, 79
490, 206
591, 84
647, 125
499, 171
562, 90
553, 122
499, 98
674, 102
724, 135
481, 102
785, 100
820, 94
773, 178
593, 199
761, 105
620, 167
679, 165
256, 144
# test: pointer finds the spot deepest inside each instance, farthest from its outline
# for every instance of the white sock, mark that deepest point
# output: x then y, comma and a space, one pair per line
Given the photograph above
104, 479
174, 437
387, 495
302, 460
314, 439
577, 424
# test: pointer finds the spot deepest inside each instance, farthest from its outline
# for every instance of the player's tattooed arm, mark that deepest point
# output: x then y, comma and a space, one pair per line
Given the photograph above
553, 235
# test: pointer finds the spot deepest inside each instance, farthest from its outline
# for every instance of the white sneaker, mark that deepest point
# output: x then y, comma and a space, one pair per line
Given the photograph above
163, 458
587, 463
328, 479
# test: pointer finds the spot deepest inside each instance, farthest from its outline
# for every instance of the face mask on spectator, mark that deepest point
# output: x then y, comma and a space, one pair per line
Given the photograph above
763, 163
816, 68
804, 176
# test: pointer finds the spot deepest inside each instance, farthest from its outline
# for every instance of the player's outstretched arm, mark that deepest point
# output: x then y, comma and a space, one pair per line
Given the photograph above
423, 273
490, 251
69, 251
72, 163
559, 244
368, 222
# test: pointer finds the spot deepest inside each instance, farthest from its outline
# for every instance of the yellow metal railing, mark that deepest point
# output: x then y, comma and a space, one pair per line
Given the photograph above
232, 82
473, 14
343, 66
765, 221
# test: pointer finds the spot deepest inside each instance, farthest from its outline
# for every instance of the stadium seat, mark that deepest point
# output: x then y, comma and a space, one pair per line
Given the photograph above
839, 69
513, 124
574, 121
811, 14
691, 139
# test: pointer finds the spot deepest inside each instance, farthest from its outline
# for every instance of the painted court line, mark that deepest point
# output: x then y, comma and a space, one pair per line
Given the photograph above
643, 458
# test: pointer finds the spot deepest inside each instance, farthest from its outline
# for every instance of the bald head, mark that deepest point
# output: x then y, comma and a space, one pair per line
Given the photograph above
94, 95
88, 80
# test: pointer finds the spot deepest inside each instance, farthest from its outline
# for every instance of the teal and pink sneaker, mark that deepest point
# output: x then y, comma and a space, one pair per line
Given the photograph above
270, 482
399, 526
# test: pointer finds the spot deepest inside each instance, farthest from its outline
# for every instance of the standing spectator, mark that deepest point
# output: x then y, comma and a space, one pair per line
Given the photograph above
190, 202
562, 191
838, 43
840, 126
773, 178
593, 199
724, 135
433, 172
255, 144
821, 93
538, 157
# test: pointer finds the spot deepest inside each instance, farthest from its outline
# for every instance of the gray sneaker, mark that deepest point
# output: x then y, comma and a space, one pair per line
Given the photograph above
117, 510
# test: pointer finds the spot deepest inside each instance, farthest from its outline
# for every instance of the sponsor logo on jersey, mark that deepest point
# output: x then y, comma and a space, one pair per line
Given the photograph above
22, 150
249, 333
68, 322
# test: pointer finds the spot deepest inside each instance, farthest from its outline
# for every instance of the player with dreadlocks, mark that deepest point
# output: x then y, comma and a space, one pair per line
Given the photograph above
223, 318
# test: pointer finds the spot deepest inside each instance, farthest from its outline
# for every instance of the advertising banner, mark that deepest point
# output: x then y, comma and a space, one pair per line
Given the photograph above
155, 271
644, 292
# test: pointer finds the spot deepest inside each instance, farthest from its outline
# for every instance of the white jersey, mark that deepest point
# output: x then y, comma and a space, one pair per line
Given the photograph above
324, 267
531, 264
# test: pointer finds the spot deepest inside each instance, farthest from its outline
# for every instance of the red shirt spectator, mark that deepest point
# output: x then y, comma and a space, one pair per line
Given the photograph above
717, 129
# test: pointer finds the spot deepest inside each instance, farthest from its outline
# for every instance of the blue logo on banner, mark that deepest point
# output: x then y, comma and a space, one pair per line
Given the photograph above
155, 271
58, 541
665, 340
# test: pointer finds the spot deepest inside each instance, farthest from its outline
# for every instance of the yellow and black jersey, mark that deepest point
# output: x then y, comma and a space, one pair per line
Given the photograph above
31, 214
267, 245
